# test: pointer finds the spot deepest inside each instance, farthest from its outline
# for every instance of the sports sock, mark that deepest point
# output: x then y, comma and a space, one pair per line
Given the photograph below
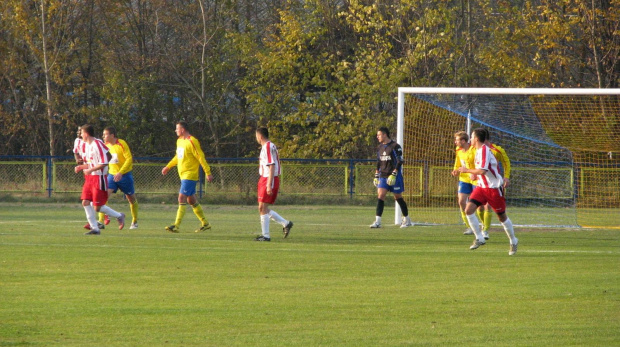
180, 214
487, 219
380, 205
403, 206
110, 212
200, 213
91, 217
464, 217
378, 219
264, 224
277, 218
134, 211
101, 217
475, 226
480, 215
510, 232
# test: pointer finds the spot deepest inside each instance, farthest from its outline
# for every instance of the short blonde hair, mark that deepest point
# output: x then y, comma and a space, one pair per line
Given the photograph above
462, 135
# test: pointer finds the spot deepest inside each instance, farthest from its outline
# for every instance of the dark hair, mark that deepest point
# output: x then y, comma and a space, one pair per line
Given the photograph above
89, 129
481, 134
385, 131
111, 130
183, 124
263, 131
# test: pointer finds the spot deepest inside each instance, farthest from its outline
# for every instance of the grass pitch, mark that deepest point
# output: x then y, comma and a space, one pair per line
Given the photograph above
333, 282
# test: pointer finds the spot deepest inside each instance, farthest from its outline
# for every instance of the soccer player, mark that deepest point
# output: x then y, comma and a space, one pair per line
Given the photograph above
490, 189
464, 157
502, 157
94, 192
389, 176
120, 174
189, 158
79, 153
269, 185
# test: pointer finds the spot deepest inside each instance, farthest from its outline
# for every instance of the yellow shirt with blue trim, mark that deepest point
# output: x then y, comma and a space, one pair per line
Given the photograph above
465, 158
122, 160
189, 158
502, 158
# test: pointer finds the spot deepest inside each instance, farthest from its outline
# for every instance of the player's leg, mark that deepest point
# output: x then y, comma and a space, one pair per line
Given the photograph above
476, 199
87, 197
199, 212
498, 203
486, 221
133, 208
381, 194
398, 189
273, 215
263, 210
126, 185
463, 195
100, 204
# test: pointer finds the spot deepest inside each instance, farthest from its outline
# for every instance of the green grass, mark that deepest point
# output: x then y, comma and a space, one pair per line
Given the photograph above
333, 282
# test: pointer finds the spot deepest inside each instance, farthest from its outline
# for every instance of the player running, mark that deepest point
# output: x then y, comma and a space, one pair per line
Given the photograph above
94, 192
120, 174
389, 176
189, 158
489, 190
268, 186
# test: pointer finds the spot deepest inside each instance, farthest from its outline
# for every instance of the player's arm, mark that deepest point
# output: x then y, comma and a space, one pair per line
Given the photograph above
272, 169
200, 155
128, 158
172, 163
457, 164
505, 162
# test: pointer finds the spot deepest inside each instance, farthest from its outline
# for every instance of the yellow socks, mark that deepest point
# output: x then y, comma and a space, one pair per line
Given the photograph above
200, 213
487, 219
464, 217
180, 214
134, 211
101, 217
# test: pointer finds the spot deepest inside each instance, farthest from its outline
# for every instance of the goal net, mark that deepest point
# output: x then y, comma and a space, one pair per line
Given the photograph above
563, 145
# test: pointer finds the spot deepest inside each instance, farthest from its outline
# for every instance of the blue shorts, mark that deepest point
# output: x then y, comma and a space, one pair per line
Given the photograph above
125, 184
397, 188
188, 187
465, 188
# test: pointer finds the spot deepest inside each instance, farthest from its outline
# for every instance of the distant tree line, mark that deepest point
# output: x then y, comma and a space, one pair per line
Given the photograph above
322, 74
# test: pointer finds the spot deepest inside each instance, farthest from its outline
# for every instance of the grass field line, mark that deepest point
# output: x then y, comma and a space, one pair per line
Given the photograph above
301, 250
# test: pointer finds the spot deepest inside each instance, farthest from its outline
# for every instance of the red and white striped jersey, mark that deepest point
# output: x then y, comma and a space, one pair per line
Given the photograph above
269, 156
79, 147
486, 160
96, 155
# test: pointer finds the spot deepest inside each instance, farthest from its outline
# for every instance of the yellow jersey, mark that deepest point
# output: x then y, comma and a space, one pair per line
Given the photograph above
502, 157
465, 158
121, 161
189, 157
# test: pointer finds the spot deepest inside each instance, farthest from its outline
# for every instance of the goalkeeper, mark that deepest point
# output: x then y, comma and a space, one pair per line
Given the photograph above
389, 176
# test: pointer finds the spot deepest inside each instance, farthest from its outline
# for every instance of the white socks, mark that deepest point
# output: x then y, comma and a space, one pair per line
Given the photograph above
378, 219
264, 223
510, 232
91, 217
110, 212
475, 226
277, 218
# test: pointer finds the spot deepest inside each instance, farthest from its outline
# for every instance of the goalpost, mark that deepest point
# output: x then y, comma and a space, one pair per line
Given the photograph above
563, 144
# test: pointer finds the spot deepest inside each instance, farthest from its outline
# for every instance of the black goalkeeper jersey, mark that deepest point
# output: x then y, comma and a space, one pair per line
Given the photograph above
389, 158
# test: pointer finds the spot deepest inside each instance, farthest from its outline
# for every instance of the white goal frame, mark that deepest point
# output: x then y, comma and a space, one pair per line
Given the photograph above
496, 91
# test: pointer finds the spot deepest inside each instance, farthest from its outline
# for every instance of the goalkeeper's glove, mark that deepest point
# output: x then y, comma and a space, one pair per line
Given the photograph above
392, 179
376, 180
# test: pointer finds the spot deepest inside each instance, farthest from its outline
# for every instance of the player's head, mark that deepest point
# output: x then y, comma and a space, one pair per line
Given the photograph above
383, 134
79, 131
109, 134
262, 133
479, 134
487, 135
461, 138
87, 129
182, 128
